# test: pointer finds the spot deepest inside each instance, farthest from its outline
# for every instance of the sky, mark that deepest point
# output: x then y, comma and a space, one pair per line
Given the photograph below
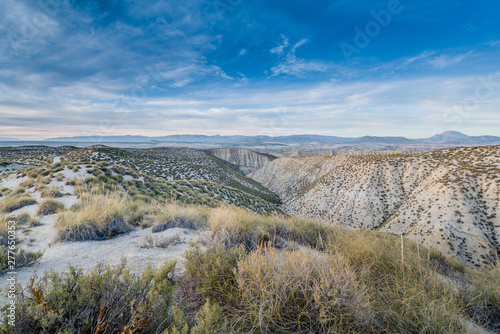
227, 67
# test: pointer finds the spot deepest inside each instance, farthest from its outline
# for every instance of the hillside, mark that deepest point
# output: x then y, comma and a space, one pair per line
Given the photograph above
175, 164
447, 199
105, 242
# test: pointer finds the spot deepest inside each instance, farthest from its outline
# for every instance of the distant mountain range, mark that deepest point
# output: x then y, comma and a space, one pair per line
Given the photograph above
8, 139
445, 138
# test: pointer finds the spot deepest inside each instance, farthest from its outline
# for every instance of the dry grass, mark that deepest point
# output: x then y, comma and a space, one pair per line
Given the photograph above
49, 207
51, 192
150, 241
301, 291
12, 203
97, 217
237, 225
395, 285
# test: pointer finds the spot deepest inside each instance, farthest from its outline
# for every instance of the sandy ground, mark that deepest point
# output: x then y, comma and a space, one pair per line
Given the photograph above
86, 255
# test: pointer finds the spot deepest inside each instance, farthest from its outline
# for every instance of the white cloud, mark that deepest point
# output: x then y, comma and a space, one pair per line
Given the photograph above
448, 60
280, 48
289, 64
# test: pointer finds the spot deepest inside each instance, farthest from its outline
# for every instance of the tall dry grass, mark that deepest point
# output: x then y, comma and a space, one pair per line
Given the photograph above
97, 217
301, 291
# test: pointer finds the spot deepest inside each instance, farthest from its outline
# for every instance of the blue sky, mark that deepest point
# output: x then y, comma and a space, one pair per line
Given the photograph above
345, 68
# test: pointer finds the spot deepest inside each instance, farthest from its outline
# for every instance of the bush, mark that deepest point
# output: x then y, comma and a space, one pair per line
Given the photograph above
213, 271
25, 219
209, 320
106, 300
49, 207
161, 242
22, 259
74, 182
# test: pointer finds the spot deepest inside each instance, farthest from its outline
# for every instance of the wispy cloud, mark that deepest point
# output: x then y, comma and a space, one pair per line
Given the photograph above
443, 61
290, 64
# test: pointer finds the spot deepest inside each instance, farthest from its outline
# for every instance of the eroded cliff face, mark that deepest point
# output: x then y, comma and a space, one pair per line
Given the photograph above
446, 199
247, 160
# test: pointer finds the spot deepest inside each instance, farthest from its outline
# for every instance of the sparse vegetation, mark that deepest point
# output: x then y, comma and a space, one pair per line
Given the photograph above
252, 269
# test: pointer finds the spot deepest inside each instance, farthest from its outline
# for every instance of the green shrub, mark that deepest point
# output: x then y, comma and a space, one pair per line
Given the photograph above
213, 271
22, 258
106, 300
209, 320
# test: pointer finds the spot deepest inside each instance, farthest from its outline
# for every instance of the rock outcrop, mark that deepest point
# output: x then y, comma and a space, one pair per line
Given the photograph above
247, 160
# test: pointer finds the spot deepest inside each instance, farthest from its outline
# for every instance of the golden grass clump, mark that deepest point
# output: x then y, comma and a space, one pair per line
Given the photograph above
12, 203
97, 217
51, 192
301, 291
49, 207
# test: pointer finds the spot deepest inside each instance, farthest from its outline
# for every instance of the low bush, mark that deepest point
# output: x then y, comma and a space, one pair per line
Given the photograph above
149, 241
213, 271
23, 258
106, 300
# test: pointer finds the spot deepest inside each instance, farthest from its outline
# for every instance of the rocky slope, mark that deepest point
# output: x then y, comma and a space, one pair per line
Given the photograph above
447, 199
247, 160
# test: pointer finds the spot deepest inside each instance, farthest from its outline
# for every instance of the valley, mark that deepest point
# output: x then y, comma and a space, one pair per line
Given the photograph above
433, 215
446, 199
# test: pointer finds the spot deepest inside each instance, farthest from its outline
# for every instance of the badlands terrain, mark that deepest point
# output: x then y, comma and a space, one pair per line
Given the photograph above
446, 199
241, 241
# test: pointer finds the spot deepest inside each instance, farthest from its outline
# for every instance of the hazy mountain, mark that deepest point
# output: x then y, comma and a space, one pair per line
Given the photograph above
8, 139
449, 137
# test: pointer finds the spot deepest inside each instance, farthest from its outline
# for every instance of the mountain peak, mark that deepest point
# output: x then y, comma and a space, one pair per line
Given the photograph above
452, 134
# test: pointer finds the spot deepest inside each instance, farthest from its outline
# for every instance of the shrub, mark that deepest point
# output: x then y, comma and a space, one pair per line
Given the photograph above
22, 258
209, 320
74, 182
161, 242
49, 207
106, 300
213, 271
25, 219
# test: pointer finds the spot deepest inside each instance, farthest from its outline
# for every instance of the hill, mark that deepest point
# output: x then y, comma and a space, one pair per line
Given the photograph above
446, 199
